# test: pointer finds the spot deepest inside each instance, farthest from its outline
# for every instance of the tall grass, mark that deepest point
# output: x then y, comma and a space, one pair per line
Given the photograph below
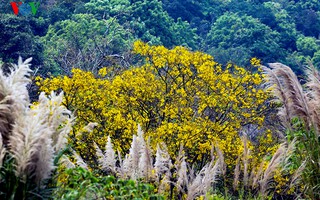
31, 135
179, 180
300, 114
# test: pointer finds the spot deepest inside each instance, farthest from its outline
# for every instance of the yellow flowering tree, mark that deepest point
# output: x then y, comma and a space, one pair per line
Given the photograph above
179, 97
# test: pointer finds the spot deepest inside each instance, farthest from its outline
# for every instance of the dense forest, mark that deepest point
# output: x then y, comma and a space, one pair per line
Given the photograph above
93, 34
160, 99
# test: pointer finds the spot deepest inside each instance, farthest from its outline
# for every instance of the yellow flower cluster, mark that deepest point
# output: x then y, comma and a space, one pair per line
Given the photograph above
255, 62
178, 96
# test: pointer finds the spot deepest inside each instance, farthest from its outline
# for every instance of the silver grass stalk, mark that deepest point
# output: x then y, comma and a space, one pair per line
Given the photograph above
106, 160
221, 163
59, 118
65, 161
143, 157
271, 168
236, 175
164, 184
30, 139
89, 128
296, 101
110, 156
313, 86
131, 161
145, 161
13, 96
296, 177
79, 161
273, 82
99, 154
182, 176
6, 120
246, 154
55, 117
181, 168
16, 83
63, 133
163, 162
202, 183
125, 170
31, 145
257, 176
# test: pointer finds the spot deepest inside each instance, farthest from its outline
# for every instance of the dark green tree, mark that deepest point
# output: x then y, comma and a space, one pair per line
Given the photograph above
237, 32
17, 39
85, 42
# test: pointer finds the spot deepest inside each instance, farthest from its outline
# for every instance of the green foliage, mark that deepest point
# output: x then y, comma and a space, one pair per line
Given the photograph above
233, 31
271, 31
84, 42
78, 183
308, 154
284, 24
155, 20
17, 39
307, 46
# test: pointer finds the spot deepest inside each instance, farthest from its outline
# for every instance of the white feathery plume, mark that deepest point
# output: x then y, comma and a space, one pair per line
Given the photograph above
271, 168
80, 162
99, 153
63, 133
125, 170
30, 141
89, 128
222, 165
59, 119
131, 161
163, 162
31, 145
182, 175
296, 177
110, 156
257, 175
236, 174
145, 159
164, 184
65, 161
289, 90
16, 85
201, 184
6, 120
181, 167
246, 154
14, 97
107, 160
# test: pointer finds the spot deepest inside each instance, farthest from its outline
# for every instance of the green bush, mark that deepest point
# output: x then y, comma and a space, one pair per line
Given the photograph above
78, 183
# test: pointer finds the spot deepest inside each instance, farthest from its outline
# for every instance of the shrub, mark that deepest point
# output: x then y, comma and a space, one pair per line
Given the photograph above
78, 183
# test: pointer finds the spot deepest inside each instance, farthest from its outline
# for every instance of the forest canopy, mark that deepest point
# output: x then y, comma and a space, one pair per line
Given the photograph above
231, 31
160, 99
